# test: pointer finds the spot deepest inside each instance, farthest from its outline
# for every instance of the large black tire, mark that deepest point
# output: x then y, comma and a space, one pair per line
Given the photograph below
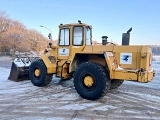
116, 83
100, 85
44, 78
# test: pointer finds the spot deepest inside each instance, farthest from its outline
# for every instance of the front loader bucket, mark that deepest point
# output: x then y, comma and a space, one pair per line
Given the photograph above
18, 73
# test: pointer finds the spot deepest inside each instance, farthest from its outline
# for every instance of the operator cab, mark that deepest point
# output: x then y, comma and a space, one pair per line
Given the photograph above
78, 34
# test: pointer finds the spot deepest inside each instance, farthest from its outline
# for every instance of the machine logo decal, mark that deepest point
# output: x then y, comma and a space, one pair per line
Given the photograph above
125, 58
63, 52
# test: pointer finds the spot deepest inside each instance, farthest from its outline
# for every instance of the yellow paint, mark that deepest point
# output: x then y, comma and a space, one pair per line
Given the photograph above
88, 81
107, 55
37, 72
51, 67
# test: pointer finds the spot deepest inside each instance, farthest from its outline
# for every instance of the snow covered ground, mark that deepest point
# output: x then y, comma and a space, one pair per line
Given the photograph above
59, 100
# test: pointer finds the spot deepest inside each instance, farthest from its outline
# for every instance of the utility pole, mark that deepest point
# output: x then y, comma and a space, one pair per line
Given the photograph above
50, 34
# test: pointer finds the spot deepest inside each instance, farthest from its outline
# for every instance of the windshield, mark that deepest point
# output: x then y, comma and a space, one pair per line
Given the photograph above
88, 36
64, 36
78, 35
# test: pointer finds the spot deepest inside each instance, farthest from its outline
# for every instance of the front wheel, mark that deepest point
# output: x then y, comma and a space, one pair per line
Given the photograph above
91, 81
38, 73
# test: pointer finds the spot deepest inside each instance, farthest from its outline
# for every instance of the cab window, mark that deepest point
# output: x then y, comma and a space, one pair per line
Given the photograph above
77, 35
88, 36
64, 37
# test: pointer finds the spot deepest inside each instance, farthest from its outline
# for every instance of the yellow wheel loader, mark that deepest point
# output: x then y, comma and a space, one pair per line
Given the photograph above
95, 68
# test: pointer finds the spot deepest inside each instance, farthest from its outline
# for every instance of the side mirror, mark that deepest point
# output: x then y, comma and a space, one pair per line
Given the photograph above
50, 36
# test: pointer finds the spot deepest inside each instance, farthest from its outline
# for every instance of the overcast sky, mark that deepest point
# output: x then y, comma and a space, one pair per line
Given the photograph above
107, 17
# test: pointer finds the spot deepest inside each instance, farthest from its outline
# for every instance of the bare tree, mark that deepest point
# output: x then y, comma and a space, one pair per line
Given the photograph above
14, 35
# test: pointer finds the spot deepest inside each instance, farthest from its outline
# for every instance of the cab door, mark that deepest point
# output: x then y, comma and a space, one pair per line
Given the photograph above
63, 53
64, 44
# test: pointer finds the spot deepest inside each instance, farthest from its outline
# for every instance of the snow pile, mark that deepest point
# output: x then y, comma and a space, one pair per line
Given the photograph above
156, 58
156, 66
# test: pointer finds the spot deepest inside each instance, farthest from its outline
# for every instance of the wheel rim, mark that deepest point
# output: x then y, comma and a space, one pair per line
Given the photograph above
88, 81
37, 72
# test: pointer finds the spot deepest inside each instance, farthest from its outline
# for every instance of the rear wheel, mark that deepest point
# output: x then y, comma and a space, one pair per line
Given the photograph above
116, 83
38, 73
91, 81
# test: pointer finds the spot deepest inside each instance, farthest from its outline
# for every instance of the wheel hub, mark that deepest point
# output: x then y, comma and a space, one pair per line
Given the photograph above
88, 81
37, 72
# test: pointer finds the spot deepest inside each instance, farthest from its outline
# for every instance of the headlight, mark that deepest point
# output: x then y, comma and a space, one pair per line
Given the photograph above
52, 59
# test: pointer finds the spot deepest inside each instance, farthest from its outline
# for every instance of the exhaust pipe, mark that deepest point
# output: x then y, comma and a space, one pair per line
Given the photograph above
126, 37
